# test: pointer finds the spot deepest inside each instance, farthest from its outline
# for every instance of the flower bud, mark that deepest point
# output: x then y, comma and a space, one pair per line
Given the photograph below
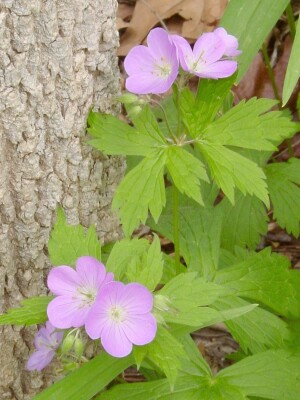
78, 347
67, 344
134, 111
128, 98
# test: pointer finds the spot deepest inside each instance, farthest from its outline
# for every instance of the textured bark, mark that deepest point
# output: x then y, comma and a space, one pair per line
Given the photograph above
57, 60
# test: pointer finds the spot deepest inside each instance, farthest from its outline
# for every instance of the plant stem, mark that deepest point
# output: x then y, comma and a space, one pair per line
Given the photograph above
291, 20
270, 71
176, 227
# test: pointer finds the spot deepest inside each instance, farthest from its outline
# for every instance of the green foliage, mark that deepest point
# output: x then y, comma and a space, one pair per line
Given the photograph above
231, 170
272, 375
31, 312
251, 22
145, 182
248, 125
165, 352
199, 242
243, 223
123, 252
147, 269
283, 183
126, 140
69, 242
267, 279
256, 331
88, 380
186, 171
293, 69
196, 111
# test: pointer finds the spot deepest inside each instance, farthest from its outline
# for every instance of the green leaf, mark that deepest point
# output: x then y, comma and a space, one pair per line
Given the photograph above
198, 111
86, 381
248, 125
200, 230
113, 136
69, 242
142, 188
256, 331
283, 182
123, 252
243, 223
148, 269
146, 124
169, 271
186, 388
165, 352
186, 171
271, 375
32, 311
267, 279
251, 22
169, 117
231, 170
293, 69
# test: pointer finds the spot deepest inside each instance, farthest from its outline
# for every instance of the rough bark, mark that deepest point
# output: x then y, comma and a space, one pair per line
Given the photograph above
57, 60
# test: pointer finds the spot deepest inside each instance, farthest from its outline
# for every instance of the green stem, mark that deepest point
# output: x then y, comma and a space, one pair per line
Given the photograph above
291, 20
270, 72
176, 227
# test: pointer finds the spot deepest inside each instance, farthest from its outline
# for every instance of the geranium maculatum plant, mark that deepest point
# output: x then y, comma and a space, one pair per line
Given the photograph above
140, 305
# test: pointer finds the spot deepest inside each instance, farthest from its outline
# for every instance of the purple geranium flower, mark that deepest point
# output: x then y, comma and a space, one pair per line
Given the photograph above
205, 59
230, 41
76, 291
46, 342
152, 69
121, 317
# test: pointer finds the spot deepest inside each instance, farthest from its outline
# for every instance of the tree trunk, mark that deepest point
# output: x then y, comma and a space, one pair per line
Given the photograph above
57, 61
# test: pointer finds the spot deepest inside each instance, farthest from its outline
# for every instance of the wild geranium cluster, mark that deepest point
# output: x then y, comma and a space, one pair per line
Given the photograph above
154, 68
117, 313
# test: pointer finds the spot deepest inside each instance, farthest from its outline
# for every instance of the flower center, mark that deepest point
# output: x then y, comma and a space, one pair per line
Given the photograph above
162, 68
87, 295
117, 314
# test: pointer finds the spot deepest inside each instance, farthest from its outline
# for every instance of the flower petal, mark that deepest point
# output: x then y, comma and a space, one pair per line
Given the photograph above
62, 280
230, 41
138, 60
220, 69
91, 273
136, 299
114, 340
40, 359
146, 83
140, 329
184, 51
95, 322
208, 48
67, 312
161, 46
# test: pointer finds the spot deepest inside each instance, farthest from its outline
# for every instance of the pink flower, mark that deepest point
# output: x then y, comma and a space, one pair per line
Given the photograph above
231, 42
205, 59
121, 317
46, 342
152, 69
76, 291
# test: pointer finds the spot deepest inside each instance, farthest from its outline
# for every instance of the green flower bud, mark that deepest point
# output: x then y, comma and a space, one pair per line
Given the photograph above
134, 111
67, 344
128, 98
162, 303
78, 347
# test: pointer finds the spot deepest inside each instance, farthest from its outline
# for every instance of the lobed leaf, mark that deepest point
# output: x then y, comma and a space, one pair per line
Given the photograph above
231, 170
283, 182
186, 172
32, 311
267, 279
141, 189
69, 242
